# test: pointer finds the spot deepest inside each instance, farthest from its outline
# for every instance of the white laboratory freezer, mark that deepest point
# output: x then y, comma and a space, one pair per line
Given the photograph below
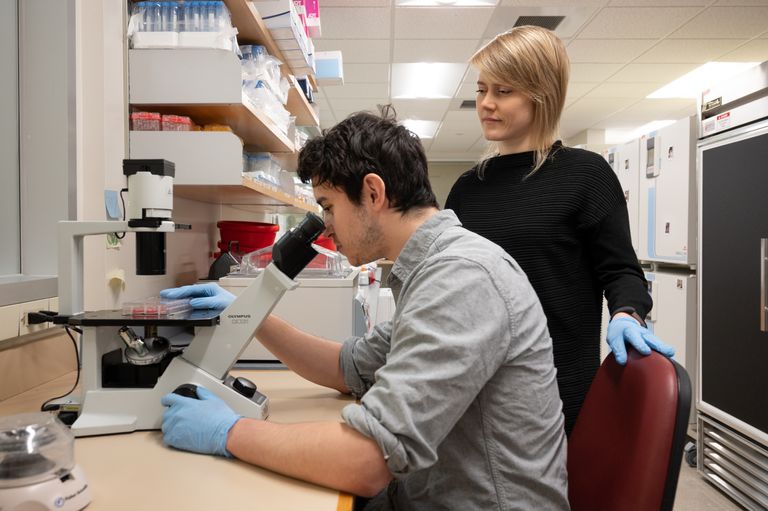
323, 306
668, 206
625, 162
673, 317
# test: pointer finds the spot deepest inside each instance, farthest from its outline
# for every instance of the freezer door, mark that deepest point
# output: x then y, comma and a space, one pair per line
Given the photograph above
734, 220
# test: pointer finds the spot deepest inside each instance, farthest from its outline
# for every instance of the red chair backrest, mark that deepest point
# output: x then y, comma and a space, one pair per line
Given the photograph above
625, 449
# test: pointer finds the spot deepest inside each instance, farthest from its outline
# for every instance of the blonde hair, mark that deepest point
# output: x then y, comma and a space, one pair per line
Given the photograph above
533, 61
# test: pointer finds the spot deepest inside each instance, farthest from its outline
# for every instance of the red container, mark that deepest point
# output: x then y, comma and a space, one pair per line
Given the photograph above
325, 242
249, 235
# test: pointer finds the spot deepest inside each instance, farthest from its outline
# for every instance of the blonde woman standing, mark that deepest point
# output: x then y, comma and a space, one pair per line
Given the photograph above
559, 211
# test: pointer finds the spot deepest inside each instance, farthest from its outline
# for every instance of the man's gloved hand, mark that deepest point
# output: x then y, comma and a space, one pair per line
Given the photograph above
204, 296
624, 329
198, 425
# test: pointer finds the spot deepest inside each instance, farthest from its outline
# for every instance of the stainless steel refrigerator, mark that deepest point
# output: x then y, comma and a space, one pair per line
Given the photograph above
732, 400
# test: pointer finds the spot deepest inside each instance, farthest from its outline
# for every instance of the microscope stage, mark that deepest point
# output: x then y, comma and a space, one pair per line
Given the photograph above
198, 317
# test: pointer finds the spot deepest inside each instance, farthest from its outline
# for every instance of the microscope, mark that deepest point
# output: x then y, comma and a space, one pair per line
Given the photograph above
124, 375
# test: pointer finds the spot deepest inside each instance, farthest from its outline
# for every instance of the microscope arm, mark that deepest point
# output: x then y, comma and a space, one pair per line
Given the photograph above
216, 349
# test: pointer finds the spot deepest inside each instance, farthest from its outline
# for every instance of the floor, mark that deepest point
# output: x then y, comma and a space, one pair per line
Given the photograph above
694, 493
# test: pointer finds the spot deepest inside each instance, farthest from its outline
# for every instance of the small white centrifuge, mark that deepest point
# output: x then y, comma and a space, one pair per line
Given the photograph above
37, 466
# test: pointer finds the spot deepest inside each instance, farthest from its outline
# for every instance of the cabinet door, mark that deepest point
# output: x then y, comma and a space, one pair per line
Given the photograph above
627, 169
734, 349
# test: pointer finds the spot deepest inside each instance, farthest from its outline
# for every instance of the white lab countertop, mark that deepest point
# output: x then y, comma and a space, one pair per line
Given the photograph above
136, 471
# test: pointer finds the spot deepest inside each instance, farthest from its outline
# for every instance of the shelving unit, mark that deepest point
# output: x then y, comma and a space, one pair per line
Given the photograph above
209, 168
251, 30
205, 84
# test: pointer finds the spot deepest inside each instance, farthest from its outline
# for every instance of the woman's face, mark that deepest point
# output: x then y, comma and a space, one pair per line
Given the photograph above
505, 115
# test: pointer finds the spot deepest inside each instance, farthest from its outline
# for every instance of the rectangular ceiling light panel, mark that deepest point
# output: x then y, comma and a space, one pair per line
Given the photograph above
428, 80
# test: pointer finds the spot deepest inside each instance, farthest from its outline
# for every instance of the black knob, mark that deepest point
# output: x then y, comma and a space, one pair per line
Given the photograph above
187, 390
244, 386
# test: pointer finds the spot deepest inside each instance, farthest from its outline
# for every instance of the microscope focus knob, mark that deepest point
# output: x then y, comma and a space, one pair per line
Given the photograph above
244, 386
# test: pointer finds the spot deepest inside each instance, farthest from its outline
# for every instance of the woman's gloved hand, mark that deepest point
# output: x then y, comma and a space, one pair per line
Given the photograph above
624, 329
198, 425
204, 296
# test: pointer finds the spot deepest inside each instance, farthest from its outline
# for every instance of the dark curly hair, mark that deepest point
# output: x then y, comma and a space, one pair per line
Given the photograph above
365, 143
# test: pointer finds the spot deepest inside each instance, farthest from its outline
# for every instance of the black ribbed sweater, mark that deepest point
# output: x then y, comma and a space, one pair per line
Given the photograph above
567, 227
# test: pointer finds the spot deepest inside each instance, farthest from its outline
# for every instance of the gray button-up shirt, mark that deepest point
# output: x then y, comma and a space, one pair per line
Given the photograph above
459, 389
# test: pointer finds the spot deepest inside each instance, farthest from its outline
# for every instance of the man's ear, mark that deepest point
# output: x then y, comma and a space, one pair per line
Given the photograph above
374, 191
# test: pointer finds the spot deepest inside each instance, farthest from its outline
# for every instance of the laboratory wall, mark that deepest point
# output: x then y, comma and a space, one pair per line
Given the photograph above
442, 176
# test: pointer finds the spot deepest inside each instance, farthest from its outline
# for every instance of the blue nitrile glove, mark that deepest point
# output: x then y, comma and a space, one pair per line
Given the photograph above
198, 425
623, 329
204, 296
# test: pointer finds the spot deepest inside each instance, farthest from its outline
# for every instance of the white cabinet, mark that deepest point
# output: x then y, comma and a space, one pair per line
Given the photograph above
667, 223
673, 318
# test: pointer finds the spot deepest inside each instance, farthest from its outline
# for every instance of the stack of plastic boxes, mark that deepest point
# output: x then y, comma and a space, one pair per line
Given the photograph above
192, 24
284, 23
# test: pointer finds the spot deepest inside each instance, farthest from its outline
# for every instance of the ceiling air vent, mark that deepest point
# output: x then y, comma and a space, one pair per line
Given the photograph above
468, 104
549, 22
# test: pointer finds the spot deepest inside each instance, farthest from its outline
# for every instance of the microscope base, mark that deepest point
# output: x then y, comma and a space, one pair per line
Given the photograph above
116, 410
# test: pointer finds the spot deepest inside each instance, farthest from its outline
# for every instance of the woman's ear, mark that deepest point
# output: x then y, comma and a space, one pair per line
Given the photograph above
374, 191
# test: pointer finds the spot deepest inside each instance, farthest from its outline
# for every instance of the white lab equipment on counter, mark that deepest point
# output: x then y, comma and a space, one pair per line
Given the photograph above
322, 305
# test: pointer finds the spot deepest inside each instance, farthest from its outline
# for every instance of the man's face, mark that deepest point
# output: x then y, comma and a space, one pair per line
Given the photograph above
351, 227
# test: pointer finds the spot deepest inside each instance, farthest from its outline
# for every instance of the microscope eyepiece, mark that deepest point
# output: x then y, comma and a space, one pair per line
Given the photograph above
294, 250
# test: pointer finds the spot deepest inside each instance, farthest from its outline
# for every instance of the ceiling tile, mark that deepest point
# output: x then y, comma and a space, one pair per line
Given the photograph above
555, 3
578, 89
357, 90
659, 107
447, 142
343, 107
355, 3
601, 50
689, 50
592, 72
656, 3
467, 91
429, 23
366, 73
357, 23
637, 22
361, 51
434, 50
741, 2
725, 22
587, 111
481, 144
425, 110
457, 118
754, 51
623, 90
470, 76
327, 119
651, 73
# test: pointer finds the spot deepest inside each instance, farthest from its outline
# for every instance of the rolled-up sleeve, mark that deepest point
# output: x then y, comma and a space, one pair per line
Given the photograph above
443, 351
361, 357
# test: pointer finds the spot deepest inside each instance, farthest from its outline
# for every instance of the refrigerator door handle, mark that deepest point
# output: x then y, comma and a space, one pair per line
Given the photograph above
764, 285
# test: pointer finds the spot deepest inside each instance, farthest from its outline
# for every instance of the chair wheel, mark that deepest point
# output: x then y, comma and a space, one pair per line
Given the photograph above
690, 454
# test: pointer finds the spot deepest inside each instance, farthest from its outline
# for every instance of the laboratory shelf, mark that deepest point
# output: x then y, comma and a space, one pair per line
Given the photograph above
209, 168
251, 29
204, 84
